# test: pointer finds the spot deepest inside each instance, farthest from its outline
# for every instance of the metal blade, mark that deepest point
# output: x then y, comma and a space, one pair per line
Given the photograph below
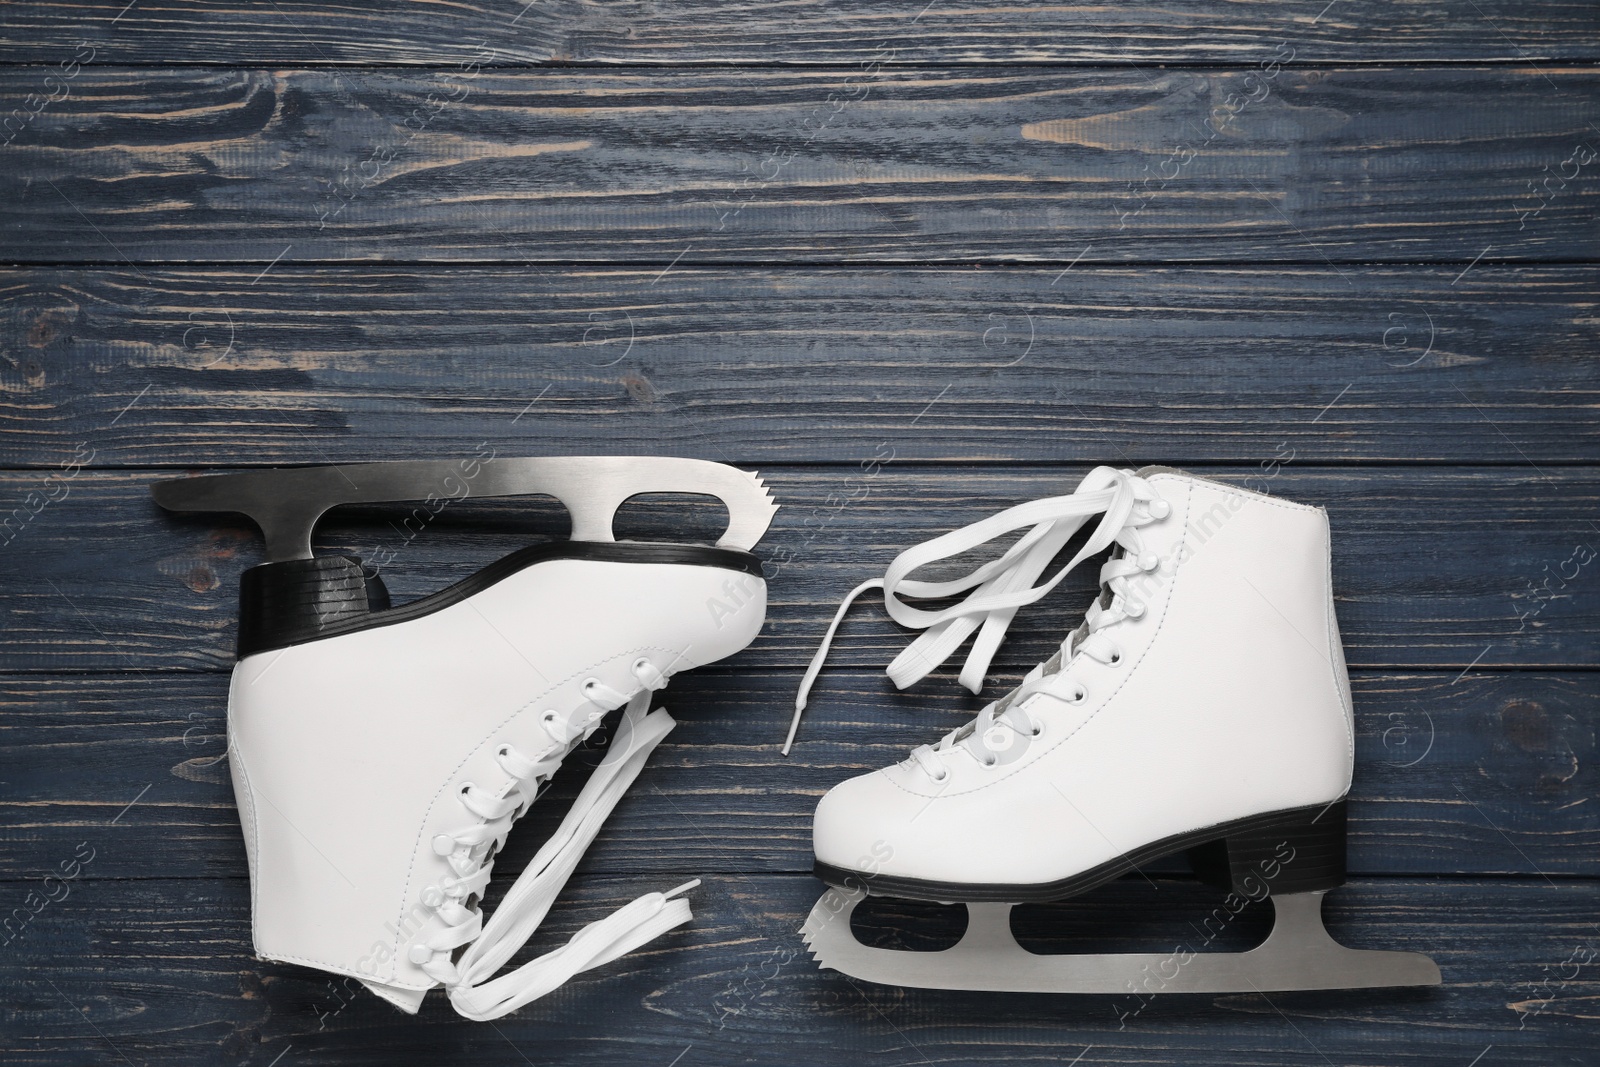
1298, 954
287, 502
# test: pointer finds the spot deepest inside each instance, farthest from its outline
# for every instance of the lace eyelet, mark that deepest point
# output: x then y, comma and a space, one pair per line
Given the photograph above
464, 787
433, 896
1079, 695
1116, 657
503, 751
419, 954
640, 664
1159, 508
990, 760
443, 844
589, 684
1038, 728
944, 773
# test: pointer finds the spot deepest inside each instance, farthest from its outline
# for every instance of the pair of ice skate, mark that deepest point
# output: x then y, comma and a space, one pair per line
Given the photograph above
381, 754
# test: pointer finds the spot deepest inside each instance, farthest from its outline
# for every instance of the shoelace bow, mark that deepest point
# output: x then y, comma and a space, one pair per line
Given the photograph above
1001, 586
470, 852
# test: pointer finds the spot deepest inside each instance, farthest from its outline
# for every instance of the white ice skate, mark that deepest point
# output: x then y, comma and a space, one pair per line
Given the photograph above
1202, 706
381, 754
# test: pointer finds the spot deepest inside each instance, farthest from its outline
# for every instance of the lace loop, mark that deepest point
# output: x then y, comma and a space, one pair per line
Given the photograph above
648, 674
597, 692
1000, 587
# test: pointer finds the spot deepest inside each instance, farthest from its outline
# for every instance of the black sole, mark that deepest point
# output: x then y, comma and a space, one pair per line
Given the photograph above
1293, 851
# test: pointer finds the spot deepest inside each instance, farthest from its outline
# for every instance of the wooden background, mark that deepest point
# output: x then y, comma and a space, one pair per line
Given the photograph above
1344, 250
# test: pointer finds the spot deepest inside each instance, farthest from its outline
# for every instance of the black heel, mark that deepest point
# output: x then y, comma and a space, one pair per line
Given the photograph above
1298, 851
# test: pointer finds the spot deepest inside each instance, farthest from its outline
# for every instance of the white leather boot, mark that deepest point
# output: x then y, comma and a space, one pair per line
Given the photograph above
380, 755
1202, 705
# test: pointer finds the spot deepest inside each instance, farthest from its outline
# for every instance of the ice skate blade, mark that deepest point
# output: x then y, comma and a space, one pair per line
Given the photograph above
1298, 954
287, 502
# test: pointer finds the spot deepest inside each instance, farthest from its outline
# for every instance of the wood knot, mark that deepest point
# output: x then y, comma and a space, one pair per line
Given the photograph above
201, 578
1539, 751
639, 388
1526, 725
47, 327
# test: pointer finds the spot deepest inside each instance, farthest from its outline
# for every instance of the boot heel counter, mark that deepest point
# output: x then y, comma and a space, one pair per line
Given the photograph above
1341, 673
735, 611
243, 798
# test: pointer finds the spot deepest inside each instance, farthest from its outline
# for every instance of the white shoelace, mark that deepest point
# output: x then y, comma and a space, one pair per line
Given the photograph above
1001, 586
470, 980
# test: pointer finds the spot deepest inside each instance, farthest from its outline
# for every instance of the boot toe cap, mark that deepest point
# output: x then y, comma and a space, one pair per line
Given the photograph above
855, 820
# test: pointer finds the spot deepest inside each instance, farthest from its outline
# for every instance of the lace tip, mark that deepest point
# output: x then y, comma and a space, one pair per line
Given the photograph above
684, 888
794, 724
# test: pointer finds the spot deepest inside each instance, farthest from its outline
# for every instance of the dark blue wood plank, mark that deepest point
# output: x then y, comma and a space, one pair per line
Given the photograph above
220, 366
1432, 567
1266, 164
160, 972
305, 32
1490, 774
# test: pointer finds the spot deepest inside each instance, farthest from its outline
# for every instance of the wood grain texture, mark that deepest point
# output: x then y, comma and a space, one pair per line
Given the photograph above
1491, 774
1436, 568
161, 972
915, 263
230, 366
303, 32
929, 165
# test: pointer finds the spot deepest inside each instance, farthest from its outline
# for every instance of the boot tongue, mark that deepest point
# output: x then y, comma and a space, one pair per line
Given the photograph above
1054, 664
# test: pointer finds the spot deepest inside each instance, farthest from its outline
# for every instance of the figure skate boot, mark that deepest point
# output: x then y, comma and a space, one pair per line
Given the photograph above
381, 754
1201, 706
